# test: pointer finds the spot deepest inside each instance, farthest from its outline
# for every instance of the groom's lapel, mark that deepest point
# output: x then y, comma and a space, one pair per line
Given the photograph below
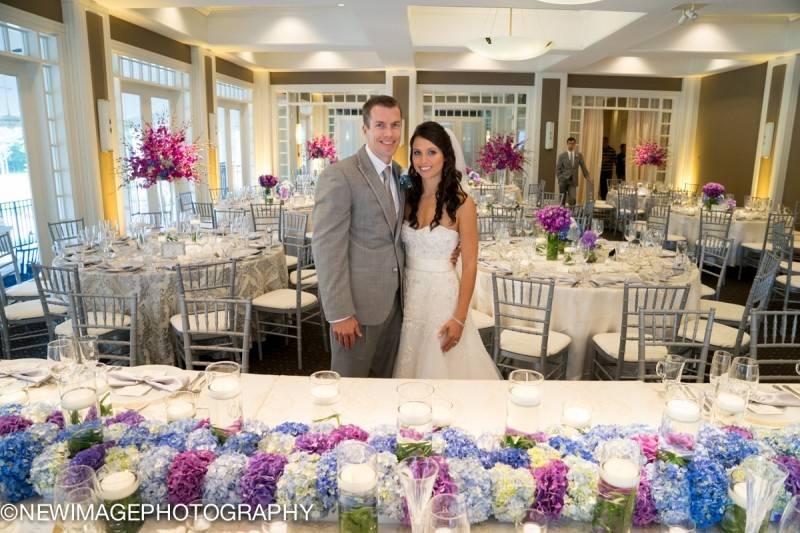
374, 181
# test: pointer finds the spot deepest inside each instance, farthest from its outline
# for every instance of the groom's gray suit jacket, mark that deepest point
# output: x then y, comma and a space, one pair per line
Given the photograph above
357, 251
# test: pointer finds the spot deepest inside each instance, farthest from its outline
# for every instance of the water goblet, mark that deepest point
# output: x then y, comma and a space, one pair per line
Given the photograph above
745, 369
597, 226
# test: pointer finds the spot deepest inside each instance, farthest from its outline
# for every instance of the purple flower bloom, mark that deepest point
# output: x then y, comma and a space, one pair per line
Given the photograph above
589, 239
649, 446
443, 485
186, 476
680, 440
713, 190
322, 147
204, 423
57, 418
261, 478
267, 181
346, 432
13, 424
501, 152
554, 218
131, 418
551, 486
312, 443
649, 154
94, 456
645, 511
792, 466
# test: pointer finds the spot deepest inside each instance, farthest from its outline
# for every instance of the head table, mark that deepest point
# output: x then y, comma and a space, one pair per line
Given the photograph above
478, 407
582, 306
260, 268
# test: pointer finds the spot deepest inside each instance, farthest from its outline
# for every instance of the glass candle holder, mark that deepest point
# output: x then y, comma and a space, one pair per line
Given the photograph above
325, 387
103, 389
576, 414
730, 403
534, 521
180, 405
120, 489
680, 424
357, 477
224, 394
447, 513
414, 411
620, 464
78, 393
524, 401
442, 412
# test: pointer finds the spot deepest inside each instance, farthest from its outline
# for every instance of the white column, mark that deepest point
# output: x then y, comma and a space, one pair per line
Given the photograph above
200, 119
80, 104
685, 132
783, 132
262, 123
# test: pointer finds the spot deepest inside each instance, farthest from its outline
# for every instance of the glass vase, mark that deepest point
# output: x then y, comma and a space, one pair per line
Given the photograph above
620, 463
500, 177
357, 480
552, 246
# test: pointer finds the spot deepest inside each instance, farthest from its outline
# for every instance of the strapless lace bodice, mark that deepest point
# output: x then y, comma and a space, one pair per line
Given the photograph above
425, 243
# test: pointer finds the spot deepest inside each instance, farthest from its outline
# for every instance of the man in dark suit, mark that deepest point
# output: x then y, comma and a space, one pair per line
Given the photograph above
567, 172
606, 167
621, 162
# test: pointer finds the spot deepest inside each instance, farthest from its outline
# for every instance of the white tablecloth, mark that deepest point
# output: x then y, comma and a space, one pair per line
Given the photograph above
478, 407
641, 201
687, 223
580, 312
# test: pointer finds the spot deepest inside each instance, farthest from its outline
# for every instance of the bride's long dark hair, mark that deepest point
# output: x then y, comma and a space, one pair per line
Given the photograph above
449, 194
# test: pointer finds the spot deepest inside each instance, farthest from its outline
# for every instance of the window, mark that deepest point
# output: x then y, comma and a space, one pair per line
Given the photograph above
234, 135
475, 116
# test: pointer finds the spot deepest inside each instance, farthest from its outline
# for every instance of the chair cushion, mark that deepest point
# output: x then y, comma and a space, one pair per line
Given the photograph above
783, 279
729, 312
481, 320
608, 343
602, 204
784, 267
31, 309
756, 246
706, 291
92, 317
531, 343
26, 289
284, 299
672, 237
291, 261
201, 323
308, 275
722, 336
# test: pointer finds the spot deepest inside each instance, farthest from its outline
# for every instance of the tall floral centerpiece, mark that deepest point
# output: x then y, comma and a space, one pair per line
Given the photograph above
650, 154
500, 154
713, 194
555, 220
160, 155
267, 182
321, 149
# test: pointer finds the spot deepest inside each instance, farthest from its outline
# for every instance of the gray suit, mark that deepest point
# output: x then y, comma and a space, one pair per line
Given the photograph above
359, 262
567, 174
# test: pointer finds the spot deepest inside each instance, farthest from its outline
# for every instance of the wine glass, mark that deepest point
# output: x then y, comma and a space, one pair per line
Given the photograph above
790, 521
745, 369
597, 227
527, 226
630, 232
720, 366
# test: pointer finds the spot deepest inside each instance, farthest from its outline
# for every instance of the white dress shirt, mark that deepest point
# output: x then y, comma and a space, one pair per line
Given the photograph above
380, 166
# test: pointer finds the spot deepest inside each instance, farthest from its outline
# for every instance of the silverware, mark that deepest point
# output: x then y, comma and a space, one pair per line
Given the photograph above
786, 388
194, 385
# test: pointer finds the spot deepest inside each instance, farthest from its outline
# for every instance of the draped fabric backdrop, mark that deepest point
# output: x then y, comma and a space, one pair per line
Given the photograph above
642, 128
591, 146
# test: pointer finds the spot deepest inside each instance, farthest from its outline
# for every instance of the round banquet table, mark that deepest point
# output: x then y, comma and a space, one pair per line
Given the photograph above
745, 227
641, 202
157, 291
300, 205
578, 311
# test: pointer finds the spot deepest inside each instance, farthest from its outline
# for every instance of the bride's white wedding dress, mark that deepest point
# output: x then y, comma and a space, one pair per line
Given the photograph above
430, 299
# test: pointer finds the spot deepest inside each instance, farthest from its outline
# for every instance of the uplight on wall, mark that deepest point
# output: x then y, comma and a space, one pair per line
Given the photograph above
766, 142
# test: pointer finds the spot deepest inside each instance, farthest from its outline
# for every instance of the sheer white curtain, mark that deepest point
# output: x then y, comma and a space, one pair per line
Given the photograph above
591, 146
642, 128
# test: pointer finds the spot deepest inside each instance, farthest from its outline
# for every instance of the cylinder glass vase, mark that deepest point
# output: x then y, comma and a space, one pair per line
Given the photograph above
552, 246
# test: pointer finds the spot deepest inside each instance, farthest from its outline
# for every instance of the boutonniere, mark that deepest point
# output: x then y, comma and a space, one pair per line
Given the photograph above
404, 182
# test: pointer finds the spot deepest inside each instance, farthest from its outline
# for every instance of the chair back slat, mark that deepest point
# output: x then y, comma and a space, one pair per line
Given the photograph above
677, 331
206, 280
714, 255
205, 211
774, 334
266, 217
116, 314
218, 329
66, 231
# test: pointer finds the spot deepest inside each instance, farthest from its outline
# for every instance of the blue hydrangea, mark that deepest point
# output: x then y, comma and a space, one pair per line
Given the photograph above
389, 491
457, 444
513, 457
255, 426
727, 447
670, 490
599, 434
475, 484
139, 436
202, 439
291, 428
10, 409
17, 452
327, 489
221, 484
69, 431
708, 482
44, 432
383, 443
173, 439
245, 443
46, 467
153, 470
571, 447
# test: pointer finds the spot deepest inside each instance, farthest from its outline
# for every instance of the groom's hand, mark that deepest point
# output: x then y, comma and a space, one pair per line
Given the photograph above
346, 331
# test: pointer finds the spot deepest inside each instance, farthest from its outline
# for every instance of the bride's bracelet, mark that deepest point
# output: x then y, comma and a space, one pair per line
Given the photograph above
460, 323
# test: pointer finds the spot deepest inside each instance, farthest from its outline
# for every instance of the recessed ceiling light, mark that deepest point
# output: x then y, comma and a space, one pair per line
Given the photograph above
340, 4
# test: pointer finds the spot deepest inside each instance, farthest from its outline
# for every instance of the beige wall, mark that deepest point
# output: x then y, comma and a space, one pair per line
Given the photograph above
727, 128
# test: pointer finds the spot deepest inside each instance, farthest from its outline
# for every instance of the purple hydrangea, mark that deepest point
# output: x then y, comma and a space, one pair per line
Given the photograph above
312, 443
649, 446
130, 418
57, 418
589, 239
742, 432
792, 466
346, 432
442, 485
94, 456
551, 487
267, 181
645, 511
13, 424
554, 218
713, 190
261, 477
186, 476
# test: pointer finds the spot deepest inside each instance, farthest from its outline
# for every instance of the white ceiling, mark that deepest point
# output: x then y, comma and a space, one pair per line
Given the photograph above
626, 37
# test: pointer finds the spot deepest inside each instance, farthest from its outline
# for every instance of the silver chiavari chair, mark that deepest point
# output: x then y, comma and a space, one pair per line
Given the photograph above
485, 227
505, 215
714, 255
186, 202
615, 352
217, 194
750, 253
533, 191
206, 213
21, 290
293, 235
56, 286
267, 217
522, 333
66, 232
113, 320
775, 333
232, 220
787, 283
215, 329
628, 210
23, 325
550, 198
153, 220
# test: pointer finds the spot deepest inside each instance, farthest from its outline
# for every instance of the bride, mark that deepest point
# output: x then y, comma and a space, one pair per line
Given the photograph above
438, 340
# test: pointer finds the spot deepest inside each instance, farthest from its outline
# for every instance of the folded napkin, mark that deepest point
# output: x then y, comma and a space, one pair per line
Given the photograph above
122, 378
29, 374
776, 399
609, 278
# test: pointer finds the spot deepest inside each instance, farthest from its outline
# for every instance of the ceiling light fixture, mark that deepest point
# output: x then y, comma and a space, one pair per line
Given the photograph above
509, 47
688, 15
340, 4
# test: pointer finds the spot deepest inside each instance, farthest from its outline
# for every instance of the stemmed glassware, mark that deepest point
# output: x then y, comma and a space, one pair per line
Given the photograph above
447, 512
417, 476
597, 227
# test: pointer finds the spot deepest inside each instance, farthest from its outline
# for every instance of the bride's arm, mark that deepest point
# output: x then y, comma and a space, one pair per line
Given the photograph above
467, 219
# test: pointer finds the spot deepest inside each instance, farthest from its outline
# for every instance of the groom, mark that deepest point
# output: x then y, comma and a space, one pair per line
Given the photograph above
358, 214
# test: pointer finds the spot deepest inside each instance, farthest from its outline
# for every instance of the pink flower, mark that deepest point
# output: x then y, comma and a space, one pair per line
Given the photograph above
650, 154
500, 153
322, 147
162, 155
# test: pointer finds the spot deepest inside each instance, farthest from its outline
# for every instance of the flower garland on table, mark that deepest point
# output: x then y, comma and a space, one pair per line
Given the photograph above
502, 152
160, 153
650, 154
501, 476
321, 147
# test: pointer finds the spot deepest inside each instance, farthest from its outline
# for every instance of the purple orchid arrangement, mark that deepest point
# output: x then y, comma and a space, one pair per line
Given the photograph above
713, 194
322, 147
650, 154
267, 181
162, 154
501, 152
554, 218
